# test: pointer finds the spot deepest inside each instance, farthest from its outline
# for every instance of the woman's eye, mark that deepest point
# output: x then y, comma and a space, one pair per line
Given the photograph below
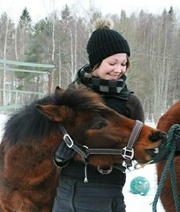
111, 64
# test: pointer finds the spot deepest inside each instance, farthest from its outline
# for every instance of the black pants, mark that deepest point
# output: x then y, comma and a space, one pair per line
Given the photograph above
74, 196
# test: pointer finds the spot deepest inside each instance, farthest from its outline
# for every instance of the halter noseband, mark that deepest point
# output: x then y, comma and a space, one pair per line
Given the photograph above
126, 152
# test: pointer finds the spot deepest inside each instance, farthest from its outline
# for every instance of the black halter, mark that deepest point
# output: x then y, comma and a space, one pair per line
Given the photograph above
126, 152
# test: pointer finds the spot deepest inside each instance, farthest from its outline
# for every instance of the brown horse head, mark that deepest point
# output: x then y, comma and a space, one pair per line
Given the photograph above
95, 125
28, 177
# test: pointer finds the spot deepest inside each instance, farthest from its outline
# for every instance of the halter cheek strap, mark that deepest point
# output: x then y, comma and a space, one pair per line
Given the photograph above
128, 150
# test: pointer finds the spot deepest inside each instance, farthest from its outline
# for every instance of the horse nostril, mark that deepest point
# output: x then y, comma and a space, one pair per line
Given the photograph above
156, 136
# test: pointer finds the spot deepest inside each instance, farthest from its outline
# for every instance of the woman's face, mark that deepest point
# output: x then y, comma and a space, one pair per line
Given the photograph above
112, 68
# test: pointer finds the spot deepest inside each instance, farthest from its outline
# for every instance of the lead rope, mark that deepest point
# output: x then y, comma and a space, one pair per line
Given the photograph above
169, 166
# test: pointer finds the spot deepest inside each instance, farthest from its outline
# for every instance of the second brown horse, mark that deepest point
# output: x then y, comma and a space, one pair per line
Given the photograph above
171, 117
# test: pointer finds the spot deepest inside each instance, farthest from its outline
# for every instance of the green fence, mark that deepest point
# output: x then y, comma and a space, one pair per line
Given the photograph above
26, 67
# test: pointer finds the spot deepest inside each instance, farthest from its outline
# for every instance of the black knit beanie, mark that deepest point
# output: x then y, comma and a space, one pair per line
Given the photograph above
105, 42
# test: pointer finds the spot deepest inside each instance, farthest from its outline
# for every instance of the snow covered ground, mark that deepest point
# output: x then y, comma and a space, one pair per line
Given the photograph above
134, 202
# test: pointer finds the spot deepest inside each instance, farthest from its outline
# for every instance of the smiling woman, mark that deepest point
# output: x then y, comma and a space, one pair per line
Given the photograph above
108, 52
112, 67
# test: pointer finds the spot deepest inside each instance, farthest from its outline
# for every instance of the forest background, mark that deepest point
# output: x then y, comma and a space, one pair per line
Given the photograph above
61, 38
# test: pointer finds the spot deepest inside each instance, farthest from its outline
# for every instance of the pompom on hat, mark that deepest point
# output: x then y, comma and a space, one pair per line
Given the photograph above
105, 42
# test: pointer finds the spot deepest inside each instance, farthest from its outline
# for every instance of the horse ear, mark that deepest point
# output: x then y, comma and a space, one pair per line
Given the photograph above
51, 111
58, 90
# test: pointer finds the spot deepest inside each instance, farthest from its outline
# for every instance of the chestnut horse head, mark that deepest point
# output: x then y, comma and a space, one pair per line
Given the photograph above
28, 177
171, 117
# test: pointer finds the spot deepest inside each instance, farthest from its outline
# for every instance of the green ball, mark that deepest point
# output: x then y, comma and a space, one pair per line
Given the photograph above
139, 185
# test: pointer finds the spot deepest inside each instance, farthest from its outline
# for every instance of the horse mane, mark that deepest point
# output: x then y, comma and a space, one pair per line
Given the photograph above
29, 125
82, 98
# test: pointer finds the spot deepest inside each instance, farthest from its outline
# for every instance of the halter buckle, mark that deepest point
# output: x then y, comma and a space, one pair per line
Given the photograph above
128, 153
68, 140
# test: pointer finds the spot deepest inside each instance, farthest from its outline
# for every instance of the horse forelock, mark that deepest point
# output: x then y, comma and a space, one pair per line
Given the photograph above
81, 98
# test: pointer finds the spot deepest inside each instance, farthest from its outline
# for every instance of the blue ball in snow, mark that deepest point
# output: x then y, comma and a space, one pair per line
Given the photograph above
139, 185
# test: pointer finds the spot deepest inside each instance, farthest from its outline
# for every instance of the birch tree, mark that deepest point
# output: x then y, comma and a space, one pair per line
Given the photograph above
6, 28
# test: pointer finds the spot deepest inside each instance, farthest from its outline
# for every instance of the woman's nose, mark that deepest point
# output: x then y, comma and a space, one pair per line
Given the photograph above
118, 68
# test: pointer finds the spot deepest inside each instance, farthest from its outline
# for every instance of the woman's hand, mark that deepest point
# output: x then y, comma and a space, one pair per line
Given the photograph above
63, 154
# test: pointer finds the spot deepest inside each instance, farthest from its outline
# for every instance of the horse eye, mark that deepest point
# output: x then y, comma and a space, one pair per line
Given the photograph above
100, 125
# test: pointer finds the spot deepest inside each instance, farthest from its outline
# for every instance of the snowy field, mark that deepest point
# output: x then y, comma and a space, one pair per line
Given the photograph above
134, 202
